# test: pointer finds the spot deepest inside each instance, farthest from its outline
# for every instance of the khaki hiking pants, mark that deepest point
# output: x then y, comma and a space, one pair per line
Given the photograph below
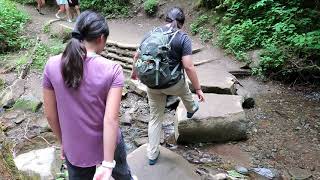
157, 102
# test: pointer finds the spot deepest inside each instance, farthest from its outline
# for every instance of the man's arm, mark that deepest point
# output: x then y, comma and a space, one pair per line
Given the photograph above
192, 74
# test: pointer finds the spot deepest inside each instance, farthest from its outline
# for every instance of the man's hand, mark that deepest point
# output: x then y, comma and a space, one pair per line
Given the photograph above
200, 95
134, 75
102, 173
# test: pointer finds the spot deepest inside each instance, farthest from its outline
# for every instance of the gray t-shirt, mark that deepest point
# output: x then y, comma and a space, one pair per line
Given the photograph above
181, 45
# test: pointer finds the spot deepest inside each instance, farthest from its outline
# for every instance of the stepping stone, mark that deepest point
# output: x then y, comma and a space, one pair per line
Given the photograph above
38, 164
215, 81
221, 118
137, 87
169, 166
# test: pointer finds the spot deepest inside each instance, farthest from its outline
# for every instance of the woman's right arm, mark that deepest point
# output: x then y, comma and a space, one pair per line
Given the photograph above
51, 113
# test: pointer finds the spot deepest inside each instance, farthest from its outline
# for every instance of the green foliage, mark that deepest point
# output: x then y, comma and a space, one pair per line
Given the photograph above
11, 24
25, 1
150, 6
199, 27
43, 51
25, 104
107, 7
288, 32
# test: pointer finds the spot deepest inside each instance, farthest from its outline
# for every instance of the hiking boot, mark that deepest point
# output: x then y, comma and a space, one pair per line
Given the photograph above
190, 114
154, 161
69, 20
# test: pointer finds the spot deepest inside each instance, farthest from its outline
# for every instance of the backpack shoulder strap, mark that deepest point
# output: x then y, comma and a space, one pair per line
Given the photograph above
173, 36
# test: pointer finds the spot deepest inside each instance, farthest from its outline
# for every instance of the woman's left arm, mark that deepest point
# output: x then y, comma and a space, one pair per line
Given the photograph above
51, 112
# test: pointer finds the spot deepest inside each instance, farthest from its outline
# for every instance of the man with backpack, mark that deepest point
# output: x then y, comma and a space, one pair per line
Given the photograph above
160, 62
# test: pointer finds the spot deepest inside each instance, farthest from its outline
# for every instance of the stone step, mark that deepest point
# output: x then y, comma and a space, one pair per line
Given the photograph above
220, 118
169, 166
215, 81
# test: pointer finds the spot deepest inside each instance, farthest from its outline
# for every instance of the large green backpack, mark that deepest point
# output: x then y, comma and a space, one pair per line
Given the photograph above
153, 62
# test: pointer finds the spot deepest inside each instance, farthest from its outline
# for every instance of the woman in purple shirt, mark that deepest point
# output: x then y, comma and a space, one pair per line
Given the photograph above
82, 94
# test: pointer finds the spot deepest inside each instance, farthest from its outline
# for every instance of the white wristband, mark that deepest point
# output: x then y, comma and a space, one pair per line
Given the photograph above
109, 164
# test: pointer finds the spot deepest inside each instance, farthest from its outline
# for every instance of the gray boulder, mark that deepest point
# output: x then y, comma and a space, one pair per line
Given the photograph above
9, 95
215, 81
169, 166
221, 118
38, 164
137, 87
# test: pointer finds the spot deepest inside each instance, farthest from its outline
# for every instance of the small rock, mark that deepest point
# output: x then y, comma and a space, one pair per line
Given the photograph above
140, 141
7, 125
12, 93
19, 119
138, 87
300, 174
297, 128
241, 170
267, 173
126, 119
220, 176
11, 115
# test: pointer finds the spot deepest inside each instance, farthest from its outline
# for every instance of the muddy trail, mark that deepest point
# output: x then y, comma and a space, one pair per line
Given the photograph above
284, 125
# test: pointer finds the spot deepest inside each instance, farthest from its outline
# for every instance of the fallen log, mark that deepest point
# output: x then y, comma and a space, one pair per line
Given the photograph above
125, 65
203, 62
121, 52
122, 45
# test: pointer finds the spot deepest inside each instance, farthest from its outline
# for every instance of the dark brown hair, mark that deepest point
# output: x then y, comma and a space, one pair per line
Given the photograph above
89, 26
176, 17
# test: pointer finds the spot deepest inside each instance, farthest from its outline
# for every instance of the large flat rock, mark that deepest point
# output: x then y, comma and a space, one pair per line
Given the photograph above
170, 166
221, 118
215, 81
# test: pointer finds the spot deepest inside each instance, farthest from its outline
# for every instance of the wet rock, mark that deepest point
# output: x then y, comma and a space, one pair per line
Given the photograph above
12, 93
299, 174
248, 99
140, 141
215, 81
40, 163
221, 118
264, 173
137, 87
169, 166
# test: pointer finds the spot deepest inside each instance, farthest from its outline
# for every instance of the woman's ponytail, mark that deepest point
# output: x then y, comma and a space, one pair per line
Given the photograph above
89, 27
72, 63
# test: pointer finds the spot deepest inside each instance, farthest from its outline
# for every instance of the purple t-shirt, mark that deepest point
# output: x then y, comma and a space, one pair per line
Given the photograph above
81, 111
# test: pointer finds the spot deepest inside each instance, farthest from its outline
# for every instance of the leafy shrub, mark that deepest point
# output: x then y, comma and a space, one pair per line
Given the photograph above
199, 26
107, 7
150, 6
288, 32
11, 24
25, 1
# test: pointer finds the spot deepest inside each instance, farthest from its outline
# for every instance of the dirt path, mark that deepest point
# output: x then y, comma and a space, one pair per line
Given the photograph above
284, 125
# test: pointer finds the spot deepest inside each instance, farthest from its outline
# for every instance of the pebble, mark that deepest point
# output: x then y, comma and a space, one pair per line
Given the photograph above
241, 170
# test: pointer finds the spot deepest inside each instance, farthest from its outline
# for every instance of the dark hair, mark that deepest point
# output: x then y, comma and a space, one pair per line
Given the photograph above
89, 26
176, 17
